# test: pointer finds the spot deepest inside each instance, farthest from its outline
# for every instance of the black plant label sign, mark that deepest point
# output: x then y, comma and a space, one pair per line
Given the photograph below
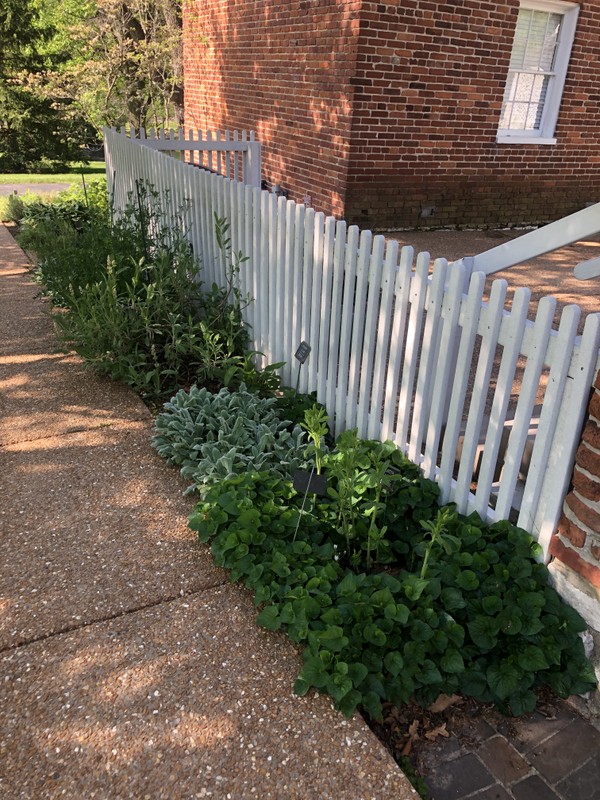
302, 352
306, 482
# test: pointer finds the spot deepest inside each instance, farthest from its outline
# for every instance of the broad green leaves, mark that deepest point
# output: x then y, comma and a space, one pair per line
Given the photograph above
463, 625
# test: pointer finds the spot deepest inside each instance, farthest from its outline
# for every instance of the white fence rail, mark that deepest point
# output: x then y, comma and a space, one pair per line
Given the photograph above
398, 351
235, 154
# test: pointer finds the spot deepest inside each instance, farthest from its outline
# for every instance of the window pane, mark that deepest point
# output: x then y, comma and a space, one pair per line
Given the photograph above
524, 99
531, 64
536, 37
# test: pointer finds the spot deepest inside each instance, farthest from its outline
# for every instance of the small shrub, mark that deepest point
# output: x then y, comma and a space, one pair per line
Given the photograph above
212, 437
15, 208
131, 287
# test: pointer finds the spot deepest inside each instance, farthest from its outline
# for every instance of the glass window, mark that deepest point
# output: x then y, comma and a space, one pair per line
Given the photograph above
538, 66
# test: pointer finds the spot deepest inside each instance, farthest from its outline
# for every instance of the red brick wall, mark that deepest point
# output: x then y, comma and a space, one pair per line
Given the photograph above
281, 68
577, 542
379, 110
428, 88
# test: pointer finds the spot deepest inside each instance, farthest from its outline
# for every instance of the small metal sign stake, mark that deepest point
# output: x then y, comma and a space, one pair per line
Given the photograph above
301, 355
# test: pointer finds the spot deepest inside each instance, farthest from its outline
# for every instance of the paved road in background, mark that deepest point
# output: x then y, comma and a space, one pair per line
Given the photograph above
34, 188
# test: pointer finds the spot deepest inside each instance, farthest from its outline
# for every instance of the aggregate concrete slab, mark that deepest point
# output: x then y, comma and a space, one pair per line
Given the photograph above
25, 329
17, 284
187, 699
93, 524
48, 394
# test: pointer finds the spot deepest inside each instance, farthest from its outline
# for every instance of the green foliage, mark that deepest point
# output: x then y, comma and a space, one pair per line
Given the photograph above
15, 208
315, 424
124, 63
293, 405
462, 606
39, 128
131, 288
212, 437
375, 496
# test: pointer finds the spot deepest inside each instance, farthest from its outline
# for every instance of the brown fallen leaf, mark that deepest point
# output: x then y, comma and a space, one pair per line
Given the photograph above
443, 702
435, 732
413, 734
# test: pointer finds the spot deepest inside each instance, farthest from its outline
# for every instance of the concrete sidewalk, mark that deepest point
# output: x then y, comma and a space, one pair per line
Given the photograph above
130, 667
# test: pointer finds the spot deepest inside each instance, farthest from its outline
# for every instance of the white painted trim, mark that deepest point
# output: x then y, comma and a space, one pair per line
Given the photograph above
507, 138
556, 6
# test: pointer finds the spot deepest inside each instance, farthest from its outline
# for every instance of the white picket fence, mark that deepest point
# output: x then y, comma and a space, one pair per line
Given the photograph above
234, 154
399, 351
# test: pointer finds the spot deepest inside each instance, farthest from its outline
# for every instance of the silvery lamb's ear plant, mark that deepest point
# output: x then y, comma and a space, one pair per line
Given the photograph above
212, 437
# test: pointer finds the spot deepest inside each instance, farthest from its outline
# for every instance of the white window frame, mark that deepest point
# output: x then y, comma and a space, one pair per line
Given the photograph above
545, 133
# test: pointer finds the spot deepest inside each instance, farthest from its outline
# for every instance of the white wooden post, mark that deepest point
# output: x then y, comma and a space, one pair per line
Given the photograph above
252, 167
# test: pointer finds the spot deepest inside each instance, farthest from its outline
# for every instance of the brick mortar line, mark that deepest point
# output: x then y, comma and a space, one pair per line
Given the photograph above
110, 617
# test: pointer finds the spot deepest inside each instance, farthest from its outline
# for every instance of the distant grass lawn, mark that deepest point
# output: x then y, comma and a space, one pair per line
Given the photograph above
93, 169
90, 171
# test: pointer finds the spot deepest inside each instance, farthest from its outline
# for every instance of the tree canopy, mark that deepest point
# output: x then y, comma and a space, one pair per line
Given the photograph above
68, 67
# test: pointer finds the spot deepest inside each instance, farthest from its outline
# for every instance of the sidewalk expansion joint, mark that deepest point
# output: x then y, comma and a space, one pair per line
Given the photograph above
110, 617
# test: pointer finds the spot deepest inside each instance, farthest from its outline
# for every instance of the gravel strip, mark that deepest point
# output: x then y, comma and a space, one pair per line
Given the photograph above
20, 320
551, 274
93, 524
185, 700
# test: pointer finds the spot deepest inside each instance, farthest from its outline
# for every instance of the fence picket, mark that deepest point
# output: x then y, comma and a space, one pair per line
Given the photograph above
402, 285
582, 371
511, 336
524, 410
418, 293
263, 277
442, 378
335, 315
472, 308
567, 333
374, 278
307, 274
490, 320
346, 327
426, 371
384, 330
325, 310
297, 289
272, 269
358, 325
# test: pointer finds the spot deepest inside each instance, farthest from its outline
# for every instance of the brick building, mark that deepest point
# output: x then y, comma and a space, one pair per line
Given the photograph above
407, 113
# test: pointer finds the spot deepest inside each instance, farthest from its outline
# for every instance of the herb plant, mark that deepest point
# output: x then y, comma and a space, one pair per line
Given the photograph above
212, 437
136, 309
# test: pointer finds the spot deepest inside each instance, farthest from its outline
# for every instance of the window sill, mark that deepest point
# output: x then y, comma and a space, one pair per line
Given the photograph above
524, 140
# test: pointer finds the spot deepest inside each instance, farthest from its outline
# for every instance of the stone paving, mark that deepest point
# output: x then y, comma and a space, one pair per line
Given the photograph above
553, 755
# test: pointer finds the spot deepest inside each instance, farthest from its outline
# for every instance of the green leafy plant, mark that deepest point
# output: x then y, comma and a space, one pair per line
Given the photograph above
375, 494
437, 531
463, 606
130, 284
212, 437
315, 424
293, 405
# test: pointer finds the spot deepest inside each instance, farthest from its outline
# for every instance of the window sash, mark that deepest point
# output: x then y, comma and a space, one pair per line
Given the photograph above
538, 65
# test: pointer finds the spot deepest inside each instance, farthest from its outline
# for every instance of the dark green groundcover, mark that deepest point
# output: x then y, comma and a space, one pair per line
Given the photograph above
391, 596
